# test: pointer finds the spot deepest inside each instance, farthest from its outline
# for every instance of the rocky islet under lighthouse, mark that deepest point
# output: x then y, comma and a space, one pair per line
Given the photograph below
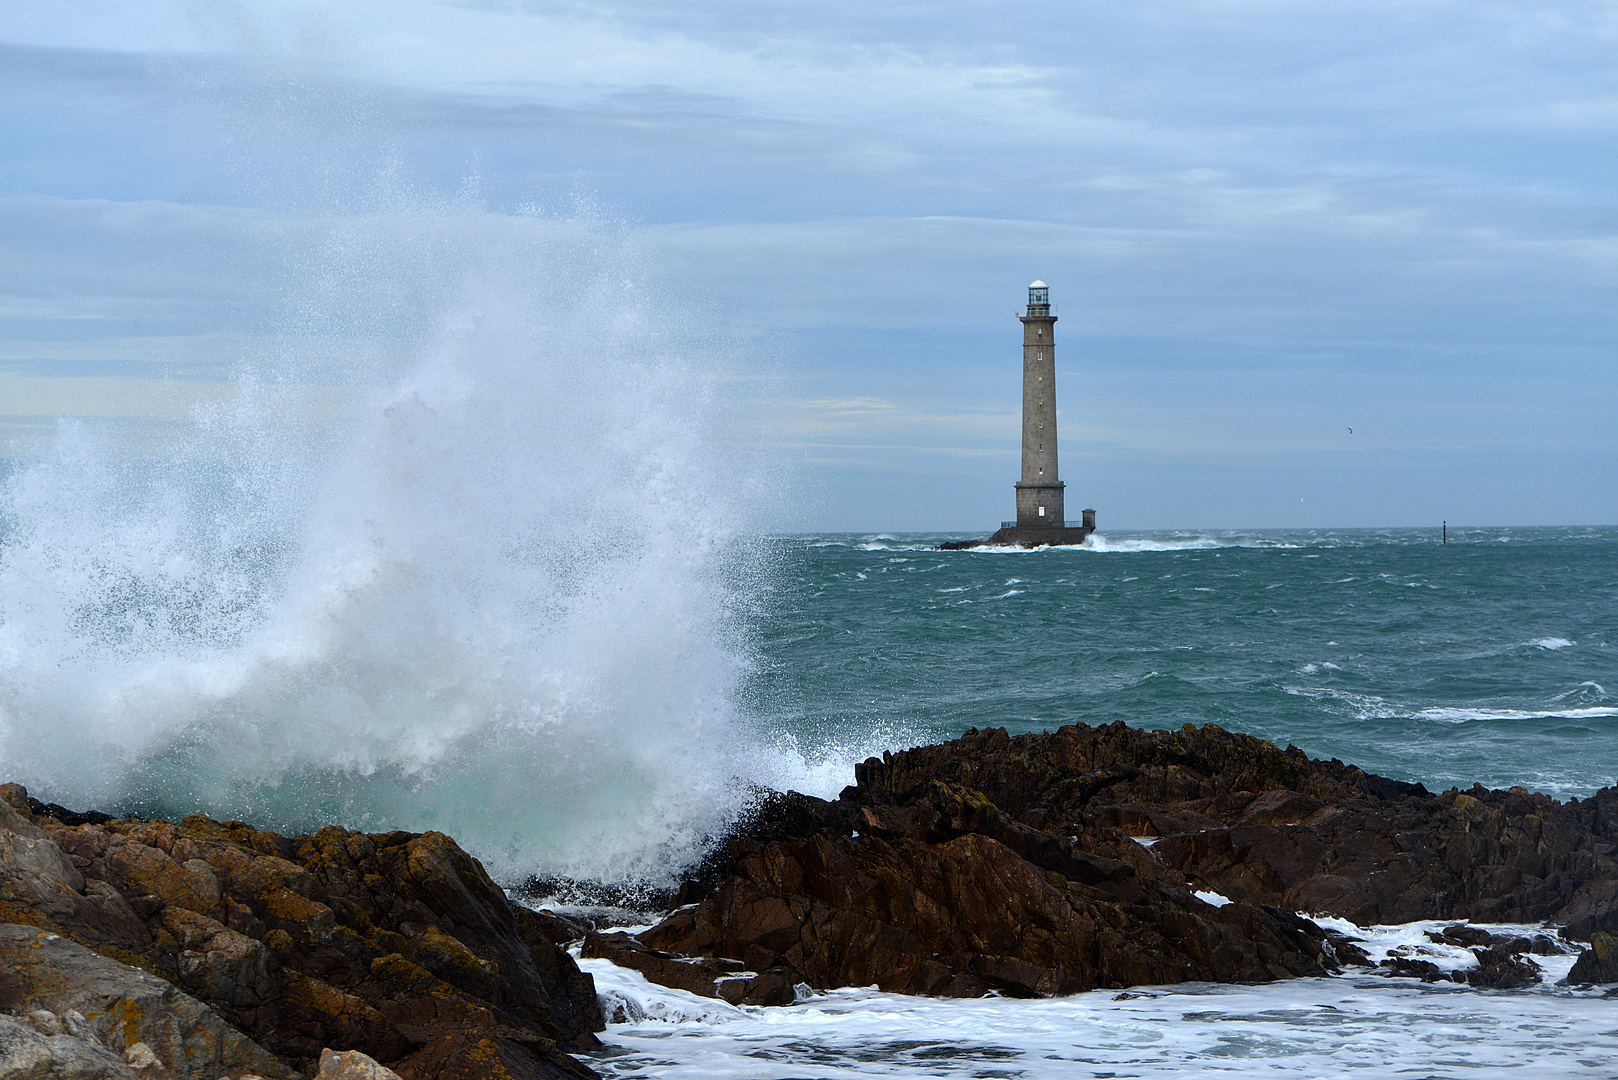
1040, 492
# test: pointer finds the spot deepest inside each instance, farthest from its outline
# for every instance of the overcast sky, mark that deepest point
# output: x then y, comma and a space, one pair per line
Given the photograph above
1265, 223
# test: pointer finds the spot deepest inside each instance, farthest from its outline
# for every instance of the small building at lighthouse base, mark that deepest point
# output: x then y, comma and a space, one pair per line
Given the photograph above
1011, 534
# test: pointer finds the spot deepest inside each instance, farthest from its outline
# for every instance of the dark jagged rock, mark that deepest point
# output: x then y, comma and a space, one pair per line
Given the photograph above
1463, 935
1602, 918
1503, 967
1425, 970
394, 944
1265, 825
716, 978
1014, 864
1598, 963
944, 894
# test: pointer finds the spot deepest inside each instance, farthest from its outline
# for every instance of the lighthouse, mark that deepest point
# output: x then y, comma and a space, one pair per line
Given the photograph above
1041, 505
1039, 492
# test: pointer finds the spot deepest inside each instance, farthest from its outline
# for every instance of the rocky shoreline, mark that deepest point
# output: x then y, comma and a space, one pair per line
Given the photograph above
209, 949
1070, 860
1032, 865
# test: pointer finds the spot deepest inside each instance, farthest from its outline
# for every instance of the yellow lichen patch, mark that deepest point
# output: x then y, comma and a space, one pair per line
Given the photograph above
13, 913
131, 1021
485, 1051
402, 975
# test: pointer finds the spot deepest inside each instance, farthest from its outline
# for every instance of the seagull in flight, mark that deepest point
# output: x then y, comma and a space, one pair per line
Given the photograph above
1351, 431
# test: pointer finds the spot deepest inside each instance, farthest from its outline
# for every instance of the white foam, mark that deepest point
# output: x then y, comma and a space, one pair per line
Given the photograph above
1372, 707
627, 997
1414, 941
1463, 715
1551, 643
1586, 690
1357, 1024
499, 595
1099, 542
1102, 543
886, 543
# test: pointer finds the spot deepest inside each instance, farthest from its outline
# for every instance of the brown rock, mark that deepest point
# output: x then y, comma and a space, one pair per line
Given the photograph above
1502, 968
1010, 863
1598, 963
1271, 826
953, 897
395, 944
712, 977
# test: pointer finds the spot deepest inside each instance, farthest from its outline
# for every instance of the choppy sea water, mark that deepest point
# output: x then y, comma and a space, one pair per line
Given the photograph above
1493, 658
1490, 659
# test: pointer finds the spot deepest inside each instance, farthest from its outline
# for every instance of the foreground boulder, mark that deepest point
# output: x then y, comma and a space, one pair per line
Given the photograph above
1598, 963
397, 945
87, 1014
947, 896
1055, 862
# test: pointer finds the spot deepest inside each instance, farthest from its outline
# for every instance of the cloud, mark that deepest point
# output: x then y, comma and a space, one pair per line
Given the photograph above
1252, 211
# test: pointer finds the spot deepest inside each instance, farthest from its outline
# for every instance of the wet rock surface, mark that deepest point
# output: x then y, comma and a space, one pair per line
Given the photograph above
397, 945
1598, 963
946, 895
1050, 863
727, 980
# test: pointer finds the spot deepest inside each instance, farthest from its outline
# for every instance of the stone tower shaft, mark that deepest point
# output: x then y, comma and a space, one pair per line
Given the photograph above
1041, 520
1040, 491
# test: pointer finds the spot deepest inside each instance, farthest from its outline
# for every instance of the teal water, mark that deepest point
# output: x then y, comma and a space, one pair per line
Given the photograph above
1491, 659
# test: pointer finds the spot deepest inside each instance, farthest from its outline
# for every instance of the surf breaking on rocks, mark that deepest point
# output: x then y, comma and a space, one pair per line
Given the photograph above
495, 584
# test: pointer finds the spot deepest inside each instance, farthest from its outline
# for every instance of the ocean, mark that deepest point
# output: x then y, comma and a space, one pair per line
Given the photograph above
1492, 659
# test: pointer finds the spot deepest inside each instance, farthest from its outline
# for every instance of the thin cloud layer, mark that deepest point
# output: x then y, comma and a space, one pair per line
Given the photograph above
1264, 222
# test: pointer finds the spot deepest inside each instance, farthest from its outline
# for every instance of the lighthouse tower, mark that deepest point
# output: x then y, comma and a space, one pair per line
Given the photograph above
1041, 516
1039, 492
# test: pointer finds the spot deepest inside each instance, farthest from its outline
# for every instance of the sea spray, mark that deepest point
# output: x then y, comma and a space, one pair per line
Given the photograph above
469, 549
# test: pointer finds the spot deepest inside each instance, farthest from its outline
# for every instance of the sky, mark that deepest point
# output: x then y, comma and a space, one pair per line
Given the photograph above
1317, 264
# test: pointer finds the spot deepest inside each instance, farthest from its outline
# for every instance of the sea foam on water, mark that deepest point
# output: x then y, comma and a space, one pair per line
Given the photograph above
1360, 1026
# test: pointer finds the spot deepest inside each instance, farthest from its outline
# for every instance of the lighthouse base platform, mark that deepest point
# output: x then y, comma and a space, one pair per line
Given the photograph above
1024, 536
